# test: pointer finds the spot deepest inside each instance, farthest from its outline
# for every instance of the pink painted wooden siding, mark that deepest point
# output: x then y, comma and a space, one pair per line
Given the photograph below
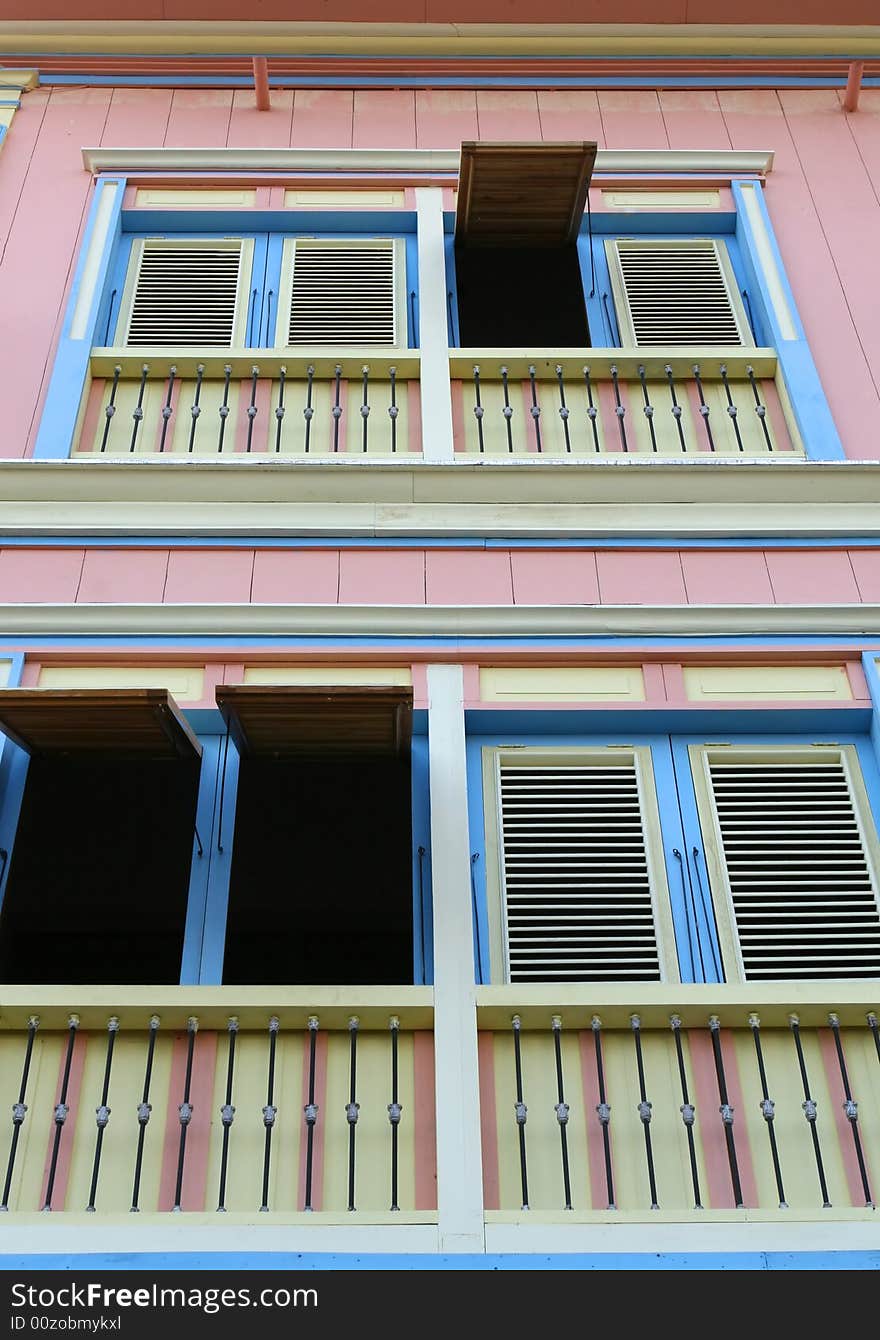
474, 576
824, 191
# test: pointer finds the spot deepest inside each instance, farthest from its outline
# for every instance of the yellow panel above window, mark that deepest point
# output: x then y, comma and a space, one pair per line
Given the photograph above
185, 682
152, 196
635, 200
569, 684
328, 674
5, 667
756, 682
343, 199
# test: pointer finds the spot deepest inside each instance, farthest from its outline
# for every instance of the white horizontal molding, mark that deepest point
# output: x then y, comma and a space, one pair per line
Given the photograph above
716, 1231
717, 163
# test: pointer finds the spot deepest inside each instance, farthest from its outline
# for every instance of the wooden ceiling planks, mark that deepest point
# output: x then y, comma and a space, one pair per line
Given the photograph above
522, 194
295, 721
108, 723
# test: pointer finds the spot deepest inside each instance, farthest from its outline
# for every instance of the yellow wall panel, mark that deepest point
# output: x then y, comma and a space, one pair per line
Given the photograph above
5, 668
186, 683
152, 197
327, 674
635, 200
339, 199
591, 683
704, 682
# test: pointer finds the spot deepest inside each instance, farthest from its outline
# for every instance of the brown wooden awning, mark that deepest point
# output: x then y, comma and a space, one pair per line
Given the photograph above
298, 722
109, 723
522, 195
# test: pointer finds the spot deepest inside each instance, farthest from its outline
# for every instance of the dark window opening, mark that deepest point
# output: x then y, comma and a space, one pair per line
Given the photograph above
520, 297
321, 882
99, 875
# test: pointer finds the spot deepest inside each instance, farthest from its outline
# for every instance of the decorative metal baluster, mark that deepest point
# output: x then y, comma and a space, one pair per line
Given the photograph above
185, 1109
478, 409
507, 411
561, 1107
252, 407
644, 1108
647, 408
725, 1109
393, 410
535, 410
768, 1109
851, 1109
365, 407
521, 1110
143, 1114
19, 1108
592, 412
760, 407
810, 1108
564, 411
167, 409
61, 1109
227, 1111
137, 413
394, 1107
310, 1110
270, 1112
336, 411
224, 408
279, 408
603, 1110
102, 1112
352, 1107
704, 408
687, 1109
196, 408
110, 407
676, 407
618, 407
731, 407
309, 412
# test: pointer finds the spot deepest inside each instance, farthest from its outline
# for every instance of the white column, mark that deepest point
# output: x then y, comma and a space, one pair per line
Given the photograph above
459, 1156
433, 335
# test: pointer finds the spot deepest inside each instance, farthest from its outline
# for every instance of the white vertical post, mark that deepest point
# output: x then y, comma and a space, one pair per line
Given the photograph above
433, 334
459, 1155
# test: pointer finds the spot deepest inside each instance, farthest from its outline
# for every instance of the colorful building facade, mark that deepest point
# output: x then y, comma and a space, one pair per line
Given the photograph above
440, 581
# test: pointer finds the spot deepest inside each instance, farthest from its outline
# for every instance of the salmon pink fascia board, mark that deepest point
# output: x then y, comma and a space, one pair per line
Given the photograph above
138, 117
469, 577
40, 576
298, 577
384, 119
504, 114
382, 576
632, 119
570, 114
123, 576
640, 577
199, 118
554, 577
693, 119
322, 118
809, 577
210, 576
445, 117
251, 129
866, 567
726, 577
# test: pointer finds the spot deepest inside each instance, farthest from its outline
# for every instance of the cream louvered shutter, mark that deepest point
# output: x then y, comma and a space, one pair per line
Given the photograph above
343, 292
675, 293
795, 862
186, 293
577, 895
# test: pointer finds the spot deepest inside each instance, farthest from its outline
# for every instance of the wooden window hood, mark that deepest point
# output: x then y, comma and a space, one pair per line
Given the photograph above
110, 723
317, 722
522, 195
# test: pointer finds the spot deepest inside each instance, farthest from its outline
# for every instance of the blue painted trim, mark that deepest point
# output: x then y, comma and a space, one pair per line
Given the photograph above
213, 944
59, 416
290, 222
559, 723
3, 130
423, 922
171, 541
201, 867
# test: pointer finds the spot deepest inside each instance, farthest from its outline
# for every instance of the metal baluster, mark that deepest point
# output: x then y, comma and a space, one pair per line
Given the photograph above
704, 408
618, 407
352, 1107
137, 413
687, 916
394, 1108
110, 407
365, 407
535, 411
102, 1112
19, 1108
851, 1109
592, 412
393, 410
644, 1107
185, 1109
270, 1112
768, 1109
279, 408
227, 1111
478, 409
61, 1109
196, 409
564, 411
810, 1108
308, 412
252, 407
647, 408
507, 411
143, 1114
760, 408
731, 407
224, 408
603, 1110
687, 1109
676, 407
310, 1110
725, 1109
521, 1110
336, 411
561, 1107
167, 409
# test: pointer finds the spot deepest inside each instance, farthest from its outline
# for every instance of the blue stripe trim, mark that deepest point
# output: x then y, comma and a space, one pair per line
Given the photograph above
647, 541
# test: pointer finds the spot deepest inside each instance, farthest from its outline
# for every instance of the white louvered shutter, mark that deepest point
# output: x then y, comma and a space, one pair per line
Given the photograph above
803, 896
343, 293
186, 294
675, 293
577, 896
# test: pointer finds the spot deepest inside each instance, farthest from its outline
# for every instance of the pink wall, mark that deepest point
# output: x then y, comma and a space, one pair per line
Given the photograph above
824, 192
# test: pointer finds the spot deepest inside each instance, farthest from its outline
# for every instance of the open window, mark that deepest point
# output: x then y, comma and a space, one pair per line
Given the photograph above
321, 879
99, 873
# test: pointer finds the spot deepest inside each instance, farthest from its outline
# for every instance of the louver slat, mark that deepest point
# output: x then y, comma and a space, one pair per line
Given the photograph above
677, 294
342, 294
578, 904
185, 296
803, 897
